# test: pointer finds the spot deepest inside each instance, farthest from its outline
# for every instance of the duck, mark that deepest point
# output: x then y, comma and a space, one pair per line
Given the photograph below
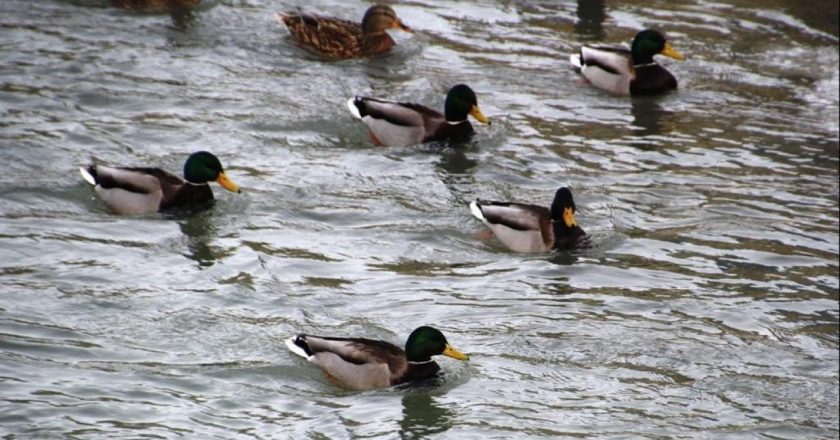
155, 5
400, 124
144, 190
340, 39
631, 71
366, 364
530, 228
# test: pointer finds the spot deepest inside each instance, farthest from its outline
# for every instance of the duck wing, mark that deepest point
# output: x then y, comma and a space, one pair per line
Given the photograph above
354, 350
520, 227
403, 114
517, 216
357, 363
139, 190
615, 60
136, 180
331, 36
350, 375
395, 124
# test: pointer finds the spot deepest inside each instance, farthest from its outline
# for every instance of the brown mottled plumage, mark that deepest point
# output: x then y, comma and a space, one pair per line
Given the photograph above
341, 39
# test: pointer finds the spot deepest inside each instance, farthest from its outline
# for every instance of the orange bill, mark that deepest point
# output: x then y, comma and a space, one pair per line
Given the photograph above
569, 217
227, 183
478, 115
454, 354
669, 51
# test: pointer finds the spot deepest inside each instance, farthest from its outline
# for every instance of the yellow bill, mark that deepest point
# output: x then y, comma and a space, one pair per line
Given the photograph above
569, 217
669, 51
476, 113
227, 183
454, 354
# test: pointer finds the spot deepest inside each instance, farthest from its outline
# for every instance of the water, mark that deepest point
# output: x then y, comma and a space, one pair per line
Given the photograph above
708, 307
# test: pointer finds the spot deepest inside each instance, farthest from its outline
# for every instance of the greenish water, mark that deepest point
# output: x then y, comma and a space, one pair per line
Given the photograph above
707, 308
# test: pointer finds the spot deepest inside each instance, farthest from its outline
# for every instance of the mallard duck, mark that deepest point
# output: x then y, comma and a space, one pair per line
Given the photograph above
629, 72
363, 364
400, 124
531, 228
155, 5
342, 39
140, 190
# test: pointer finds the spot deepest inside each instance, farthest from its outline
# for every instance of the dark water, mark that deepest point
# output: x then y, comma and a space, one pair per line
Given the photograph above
708, 307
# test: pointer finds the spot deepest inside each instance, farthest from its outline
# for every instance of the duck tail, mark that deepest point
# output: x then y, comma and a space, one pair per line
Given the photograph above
475, 209
88, 174
297, 345
577, 61
355, 104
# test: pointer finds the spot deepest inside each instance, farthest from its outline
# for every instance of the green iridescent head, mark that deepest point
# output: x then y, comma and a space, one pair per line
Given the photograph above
648, 43
203, 167
462, 102
425, 342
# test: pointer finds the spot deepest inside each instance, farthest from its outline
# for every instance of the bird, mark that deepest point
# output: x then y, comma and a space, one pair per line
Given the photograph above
340, 39
400, 124
365, 364
531, 228
155, 5
143, 190
631, 71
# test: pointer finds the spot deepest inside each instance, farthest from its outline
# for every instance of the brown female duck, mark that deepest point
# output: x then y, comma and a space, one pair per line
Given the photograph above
340, 39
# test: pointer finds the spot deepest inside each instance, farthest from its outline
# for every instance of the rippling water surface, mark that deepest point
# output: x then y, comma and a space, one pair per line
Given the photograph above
707, 308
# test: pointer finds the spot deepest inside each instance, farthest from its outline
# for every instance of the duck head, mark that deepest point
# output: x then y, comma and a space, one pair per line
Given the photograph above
203, 167
462, 102
425, 342
380, 18
648, 43
563, 208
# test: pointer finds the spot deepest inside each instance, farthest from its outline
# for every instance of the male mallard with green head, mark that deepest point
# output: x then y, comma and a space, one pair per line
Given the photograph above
531, 228
364, 364
400, 124
629, 72
143, 190
343, 39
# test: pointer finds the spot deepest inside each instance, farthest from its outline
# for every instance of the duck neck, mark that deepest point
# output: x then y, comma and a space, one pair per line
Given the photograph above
561, 229
422, 370
376, 42
640, 55
641, 60
415, 355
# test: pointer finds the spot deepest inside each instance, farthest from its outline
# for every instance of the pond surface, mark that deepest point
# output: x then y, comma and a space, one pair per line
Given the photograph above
707, 307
